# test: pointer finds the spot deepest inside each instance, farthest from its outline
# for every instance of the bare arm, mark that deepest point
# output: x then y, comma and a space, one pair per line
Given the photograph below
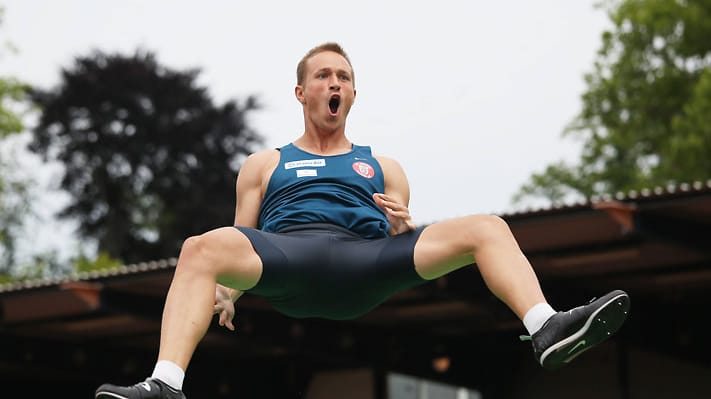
251, 184
396, 198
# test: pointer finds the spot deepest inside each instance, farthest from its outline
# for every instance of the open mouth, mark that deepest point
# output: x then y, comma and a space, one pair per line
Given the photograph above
333, 103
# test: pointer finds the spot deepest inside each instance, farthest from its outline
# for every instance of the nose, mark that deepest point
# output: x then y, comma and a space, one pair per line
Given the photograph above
333, 83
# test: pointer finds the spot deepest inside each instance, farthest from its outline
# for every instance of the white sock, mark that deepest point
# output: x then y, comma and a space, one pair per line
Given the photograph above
537, 316
170, 373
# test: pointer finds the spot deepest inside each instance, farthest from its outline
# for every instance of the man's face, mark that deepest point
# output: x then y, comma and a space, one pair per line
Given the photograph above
327, 91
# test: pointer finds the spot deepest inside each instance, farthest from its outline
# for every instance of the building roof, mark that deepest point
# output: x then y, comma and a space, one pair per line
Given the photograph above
653, 243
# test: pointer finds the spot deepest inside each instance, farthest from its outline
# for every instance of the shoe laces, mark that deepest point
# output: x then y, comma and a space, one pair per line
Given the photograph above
524, 338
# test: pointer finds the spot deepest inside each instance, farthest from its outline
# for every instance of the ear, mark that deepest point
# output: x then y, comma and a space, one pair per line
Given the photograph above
299, 93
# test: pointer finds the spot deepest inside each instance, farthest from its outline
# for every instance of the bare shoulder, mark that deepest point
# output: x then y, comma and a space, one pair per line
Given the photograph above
263, 157
261, 161
388, 164
257, 167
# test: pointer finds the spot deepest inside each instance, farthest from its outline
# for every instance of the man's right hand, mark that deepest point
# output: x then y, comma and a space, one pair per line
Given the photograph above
225, 304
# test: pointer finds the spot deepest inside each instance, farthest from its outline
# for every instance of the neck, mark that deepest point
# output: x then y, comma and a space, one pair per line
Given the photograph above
324, 144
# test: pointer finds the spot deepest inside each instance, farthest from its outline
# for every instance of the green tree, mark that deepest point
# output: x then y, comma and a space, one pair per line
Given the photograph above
14, 208
148, 158
645, 113
12, 92
14, 195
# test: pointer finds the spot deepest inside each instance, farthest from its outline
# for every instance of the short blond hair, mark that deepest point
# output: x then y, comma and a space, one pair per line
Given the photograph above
329, 46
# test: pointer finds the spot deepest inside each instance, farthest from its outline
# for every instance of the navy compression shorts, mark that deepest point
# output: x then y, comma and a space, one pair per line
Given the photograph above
326, 271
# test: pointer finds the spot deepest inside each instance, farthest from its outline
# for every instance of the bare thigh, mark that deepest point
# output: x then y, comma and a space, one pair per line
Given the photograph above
451, 244
228, 254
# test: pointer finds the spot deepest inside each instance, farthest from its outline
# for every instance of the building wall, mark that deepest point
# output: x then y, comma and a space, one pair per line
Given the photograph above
603, 373
342, 384
606, 373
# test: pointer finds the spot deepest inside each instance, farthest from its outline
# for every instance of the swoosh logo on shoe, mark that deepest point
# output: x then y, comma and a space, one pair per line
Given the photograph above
578, 345
146, 386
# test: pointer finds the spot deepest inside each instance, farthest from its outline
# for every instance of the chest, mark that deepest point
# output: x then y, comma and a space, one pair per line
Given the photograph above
349, 169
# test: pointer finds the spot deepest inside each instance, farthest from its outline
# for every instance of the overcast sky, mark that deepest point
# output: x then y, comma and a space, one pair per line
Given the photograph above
470, 96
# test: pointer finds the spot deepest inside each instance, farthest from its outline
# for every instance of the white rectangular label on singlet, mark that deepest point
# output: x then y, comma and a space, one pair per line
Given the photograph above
306, 172
305, 162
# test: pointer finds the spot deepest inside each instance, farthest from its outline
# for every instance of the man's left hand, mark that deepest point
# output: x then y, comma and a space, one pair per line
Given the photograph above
398, 215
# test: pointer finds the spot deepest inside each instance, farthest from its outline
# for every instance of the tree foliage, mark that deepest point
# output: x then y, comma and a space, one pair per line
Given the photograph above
645, 112
14, 196
12, 91
14, 207
148, 158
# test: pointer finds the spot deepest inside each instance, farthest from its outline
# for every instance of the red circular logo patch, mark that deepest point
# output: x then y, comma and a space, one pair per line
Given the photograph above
364, 169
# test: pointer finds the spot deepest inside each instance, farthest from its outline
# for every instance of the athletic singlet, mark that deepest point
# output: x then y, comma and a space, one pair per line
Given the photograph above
335, 189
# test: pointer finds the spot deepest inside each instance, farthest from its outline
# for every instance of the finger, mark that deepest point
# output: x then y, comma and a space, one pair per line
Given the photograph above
391, 207
384, 207
385, 198
399, 214
222, 318
227, 322
382, 199
390, 203
399, 209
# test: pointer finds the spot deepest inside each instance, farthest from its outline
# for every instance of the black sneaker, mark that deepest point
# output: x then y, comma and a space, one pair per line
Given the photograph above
148, 389
565, 335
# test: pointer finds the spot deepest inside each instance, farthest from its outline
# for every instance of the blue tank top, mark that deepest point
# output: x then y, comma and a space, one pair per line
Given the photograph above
335, 189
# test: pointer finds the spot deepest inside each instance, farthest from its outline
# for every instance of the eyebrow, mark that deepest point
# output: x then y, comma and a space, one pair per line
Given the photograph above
329, 69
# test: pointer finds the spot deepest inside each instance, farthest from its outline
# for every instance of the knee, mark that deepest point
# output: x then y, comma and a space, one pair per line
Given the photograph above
193, 249
488, 228
192, 245
493, 222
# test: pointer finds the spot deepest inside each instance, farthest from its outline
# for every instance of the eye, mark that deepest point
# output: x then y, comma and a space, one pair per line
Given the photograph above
345, 78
